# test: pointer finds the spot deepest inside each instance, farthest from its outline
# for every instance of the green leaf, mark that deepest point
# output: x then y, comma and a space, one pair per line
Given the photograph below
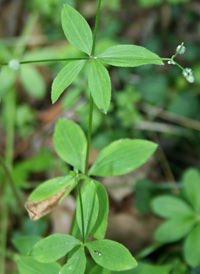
76, 29
191, 187
122, 156
111, 255
76, 263
42, 161
51, 187
47, 196
70, 98
129, 56
171, 207
100, 270
30, 266
90, 208
53, 247
148, 269
33, 81
24, 244
7, 79
100, 227
70, 143
174, 230
192, 247
99, 85
64, 78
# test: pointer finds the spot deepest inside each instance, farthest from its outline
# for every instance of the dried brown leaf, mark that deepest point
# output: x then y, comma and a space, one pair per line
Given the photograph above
40, 209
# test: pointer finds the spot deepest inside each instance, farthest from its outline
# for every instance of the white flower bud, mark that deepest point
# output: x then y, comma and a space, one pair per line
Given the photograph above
190, 79
181, 49
188, 74
171, 62
14, 64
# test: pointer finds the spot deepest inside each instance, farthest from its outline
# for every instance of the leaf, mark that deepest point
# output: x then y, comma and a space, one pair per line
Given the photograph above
111, 255
174, 230
45, 197
7, 80
99, 85
191, 187
99, 270
70, 143
76, 263
129, 56
32, 81
51, 187
76, 29
24, 244
53, 247
64, 78
28, 265
144, 268
192, 247
122, 156
171, 207
90, 209
100, 227
70, 98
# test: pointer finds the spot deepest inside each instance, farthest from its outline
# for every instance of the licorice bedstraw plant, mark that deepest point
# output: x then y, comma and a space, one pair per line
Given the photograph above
71, 144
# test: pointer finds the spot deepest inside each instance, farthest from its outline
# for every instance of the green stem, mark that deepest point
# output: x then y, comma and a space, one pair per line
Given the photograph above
4, 229
91, 100
89, 135
89, 126
12, 184
10, 122
81, 206
47, 60
96, 27
28, 28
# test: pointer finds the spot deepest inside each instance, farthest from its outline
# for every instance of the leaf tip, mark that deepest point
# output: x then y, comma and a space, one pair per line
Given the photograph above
53, 97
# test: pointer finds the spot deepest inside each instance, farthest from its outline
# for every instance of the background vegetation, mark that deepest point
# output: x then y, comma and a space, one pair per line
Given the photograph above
149, 102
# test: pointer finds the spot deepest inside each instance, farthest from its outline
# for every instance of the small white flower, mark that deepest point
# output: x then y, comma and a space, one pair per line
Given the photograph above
181, 49
14, 64
190, 79
188, 74
171, 62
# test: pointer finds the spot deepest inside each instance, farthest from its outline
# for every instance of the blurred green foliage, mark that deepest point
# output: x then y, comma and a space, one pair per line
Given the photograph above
124, 22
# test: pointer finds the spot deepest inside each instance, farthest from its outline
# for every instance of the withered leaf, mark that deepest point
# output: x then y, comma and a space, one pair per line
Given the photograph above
40, 209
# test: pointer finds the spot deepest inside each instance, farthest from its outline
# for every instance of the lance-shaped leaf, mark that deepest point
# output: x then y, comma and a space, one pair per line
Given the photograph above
174, 230
28, 265
129, 56
111, 255
25, 243
100, 227
76, 263
99, 85
76, 29
32, 81
191, 187
45, 197
121, 157
70, 143
192, 247
64, 78
171, 207
53, 247
90, 209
